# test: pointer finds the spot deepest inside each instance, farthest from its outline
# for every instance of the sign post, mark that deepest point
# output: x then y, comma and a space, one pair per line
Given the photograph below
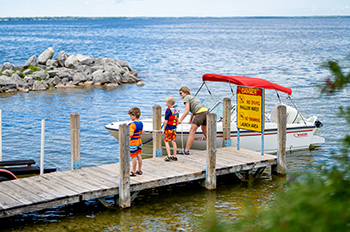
250, 111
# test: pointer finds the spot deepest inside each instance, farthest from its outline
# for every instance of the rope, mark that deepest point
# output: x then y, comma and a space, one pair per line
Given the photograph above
156, 131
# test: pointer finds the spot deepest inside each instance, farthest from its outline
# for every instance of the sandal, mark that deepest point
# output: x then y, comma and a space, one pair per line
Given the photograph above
167, 159
139, 172
174, 158
183, 152
132, 174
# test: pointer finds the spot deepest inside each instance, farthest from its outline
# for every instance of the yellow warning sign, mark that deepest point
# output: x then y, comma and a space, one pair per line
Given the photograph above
249, 108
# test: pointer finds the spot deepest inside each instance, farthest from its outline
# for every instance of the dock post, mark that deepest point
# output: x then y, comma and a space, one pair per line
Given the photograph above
282, 138
157, 131
75, 140
0, 135
210, 177
226, 123
42, 146
124, 162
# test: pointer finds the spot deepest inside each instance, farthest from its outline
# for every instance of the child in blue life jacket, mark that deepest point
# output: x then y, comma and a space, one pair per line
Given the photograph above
136, 129
169, 128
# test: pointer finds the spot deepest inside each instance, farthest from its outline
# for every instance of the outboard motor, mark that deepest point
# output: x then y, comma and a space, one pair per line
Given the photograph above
318, 124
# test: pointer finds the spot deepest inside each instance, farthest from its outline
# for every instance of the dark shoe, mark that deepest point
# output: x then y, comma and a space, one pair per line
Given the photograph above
183, 152
174, 158
167, 159
139, 172
132, 174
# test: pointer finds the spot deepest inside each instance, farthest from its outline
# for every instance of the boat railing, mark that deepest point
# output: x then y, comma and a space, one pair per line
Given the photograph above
126, 117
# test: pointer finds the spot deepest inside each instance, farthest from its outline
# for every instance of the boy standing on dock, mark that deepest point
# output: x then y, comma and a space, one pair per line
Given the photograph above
169, 128
136, 129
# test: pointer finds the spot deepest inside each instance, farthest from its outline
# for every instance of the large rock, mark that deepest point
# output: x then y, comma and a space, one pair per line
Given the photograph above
128, 78
55, 80
7, 72
7, 82
63, 75
20, 83
27, 71
52, 73
85, 60
99, 77
79, 77
102, 77
102, 61
30, 62
113, 77
52, 63
71, 62
29, 80
40, 74
46, 55
62, 56
6, 66
39, 86
110, 67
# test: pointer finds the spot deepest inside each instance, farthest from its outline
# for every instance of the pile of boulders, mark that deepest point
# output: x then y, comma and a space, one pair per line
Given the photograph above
65, 71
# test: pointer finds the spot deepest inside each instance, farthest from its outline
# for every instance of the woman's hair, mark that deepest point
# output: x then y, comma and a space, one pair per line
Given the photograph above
185, 89
135, 112
171, 100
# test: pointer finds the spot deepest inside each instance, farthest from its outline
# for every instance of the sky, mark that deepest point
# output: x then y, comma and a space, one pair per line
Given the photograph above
172, 8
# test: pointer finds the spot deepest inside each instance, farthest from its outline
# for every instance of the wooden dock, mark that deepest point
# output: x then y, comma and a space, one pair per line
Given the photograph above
73, 186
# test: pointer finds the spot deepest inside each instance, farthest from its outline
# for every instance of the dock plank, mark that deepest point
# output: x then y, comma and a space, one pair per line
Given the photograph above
71, 186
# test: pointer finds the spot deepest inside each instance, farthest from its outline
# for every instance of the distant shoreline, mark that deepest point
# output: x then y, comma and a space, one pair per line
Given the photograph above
189, 17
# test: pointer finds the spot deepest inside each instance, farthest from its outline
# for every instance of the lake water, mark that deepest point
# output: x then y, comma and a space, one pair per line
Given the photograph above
167, 53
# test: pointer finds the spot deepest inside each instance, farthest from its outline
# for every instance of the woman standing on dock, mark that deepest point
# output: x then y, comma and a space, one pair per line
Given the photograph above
198, 116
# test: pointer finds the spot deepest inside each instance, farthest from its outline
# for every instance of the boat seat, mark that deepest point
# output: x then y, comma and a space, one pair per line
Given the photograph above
292, 114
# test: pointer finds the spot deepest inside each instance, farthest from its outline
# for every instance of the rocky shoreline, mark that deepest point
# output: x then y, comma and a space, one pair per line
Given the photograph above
65, 71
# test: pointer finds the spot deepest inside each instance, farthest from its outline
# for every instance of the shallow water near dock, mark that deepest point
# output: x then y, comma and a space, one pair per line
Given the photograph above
167, 54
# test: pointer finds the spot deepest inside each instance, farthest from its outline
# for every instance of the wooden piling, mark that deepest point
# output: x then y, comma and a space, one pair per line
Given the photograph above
124, 162
75, 140
157, 131
282, 138
0, 135
210, 177
226, 123
42, 147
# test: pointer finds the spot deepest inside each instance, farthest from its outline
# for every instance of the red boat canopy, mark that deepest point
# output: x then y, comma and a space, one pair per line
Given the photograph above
246, 81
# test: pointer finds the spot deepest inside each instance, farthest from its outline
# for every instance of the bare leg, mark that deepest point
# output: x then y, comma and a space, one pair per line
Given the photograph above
190, 139
173, 142
139, 159
167, 147
204, 129
134, 162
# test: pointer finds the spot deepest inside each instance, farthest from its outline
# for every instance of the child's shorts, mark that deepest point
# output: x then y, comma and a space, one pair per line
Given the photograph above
169, 135
135, 150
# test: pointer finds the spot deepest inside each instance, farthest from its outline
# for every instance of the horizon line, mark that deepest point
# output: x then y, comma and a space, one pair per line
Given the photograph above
171, 17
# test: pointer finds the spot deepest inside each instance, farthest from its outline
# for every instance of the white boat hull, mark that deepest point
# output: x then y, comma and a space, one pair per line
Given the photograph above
299, 136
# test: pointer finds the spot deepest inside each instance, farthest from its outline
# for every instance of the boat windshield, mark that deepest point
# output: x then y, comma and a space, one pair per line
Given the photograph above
214, 107
217, 108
